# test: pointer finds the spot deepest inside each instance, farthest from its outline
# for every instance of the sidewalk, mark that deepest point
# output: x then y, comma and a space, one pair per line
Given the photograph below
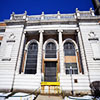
44, 97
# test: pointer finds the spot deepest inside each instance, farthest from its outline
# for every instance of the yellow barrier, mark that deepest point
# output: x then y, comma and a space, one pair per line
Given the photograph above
20, 98
50, 83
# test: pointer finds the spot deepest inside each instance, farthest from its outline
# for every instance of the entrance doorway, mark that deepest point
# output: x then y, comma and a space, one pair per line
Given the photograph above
50, 74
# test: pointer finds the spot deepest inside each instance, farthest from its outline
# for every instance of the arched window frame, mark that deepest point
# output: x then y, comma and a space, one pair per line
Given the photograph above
76, 49
44, 47
26, 50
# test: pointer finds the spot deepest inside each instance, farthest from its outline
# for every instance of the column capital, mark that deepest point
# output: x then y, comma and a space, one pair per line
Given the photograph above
24, 32
77, 30
60, 30
41, 31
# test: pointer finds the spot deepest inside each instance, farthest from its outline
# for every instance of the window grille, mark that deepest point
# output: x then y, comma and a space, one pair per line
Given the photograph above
50, 51
31, 61
74, 68
69, 49
50, 71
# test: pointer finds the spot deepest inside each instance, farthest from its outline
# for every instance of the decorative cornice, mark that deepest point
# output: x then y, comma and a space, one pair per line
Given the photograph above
58, 18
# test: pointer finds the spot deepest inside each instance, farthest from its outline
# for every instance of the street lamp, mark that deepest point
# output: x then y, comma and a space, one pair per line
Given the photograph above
71, 80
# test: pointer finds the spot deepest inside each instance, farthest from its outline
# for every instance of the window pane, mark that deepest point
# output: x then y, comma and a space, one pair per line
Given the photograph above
50, 51
50, 71
69, 49
31, 62
74, 68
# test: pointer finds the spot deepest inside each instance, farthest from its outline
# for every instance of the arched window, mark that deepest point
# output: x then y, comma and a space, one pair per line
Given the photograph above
50, 50
69, 49
70, 58
31, 60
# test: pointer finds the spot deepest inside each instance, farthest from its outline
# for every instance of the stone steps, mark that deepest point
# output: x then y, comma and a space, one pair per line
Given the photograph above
48, 97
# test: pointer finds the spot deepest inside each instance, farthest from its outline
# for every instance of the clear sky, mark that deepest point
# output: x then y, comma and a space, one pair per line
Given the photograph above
35, 7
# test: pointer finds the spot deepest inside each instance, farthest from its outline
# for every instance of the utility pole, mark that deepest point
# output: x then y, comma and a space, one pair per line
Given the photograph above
71, 80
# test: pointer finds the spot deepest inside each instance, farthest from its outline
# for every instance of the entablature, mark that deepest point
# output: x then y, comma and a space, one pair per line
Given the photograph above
67, 28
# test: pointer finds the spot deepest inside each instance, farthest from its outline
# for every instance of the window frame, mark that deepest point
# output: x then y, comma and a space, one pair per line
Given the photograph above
50, 53
26, 50
73, 69
72, 50
44, 47
76, 50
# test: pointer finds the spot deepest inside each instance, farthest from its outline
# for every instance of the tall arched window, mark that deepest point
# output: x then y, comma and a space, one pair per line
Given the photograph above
50, 63
70, 57
50, 50
31, 60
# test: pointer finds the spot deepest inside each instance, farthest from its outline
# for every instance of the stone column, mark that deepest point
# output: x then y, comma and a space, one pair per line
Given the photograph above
82, 53
61, 53
39, 61
20, 55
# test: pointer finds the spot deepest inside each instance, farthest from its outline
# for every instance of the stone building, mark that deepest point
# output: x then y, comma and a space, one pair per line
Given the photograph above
50, 53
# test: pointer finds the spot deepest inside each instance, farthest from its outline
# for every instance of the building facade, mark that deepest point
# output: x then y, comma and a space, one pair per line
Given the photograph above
50, 53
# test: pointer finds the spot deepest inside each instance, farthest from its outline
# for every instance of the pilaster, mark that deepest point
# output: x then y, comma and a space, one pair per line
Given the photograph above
82, 53
61, 53
39, 61
20, 54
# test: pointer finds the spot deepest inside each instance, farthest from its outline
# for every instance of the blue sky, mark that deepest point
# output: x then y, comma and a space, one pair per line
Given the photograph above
35, 7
